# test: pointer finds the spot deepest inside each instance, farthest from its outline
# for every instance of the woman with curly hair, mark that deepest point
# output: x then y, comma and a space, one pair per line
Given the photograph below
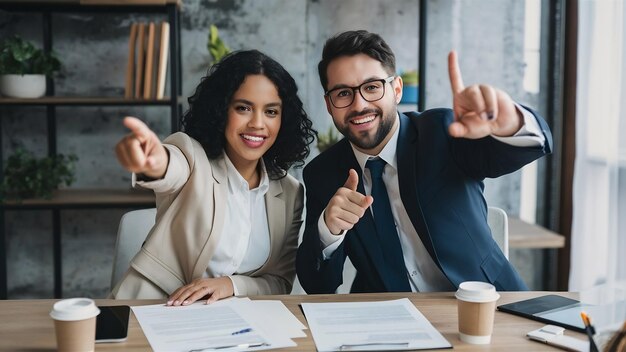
228, 214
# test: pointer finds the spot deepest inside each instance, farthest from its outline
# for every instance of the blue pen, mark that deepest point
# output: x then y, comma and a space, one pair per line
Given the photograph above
242, 331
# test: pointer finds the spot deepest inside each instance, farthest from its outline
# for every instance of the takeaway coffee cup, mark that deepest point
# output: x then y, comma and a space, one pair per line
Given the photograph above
476, 305
75, 324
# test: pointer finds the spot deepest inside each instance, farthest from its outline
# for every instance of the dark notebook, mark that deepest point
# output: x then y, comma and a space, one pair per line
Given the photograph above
550, 309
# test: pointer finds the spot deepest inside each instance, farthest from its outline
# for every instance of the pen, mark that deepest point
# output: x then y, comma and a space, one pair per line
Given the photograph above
590, 332
242, 331
239, 346
382, 345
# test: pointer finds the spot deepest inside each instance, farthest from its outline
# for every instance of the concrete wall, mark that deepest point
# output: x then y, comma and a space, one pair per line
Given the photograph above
488, 35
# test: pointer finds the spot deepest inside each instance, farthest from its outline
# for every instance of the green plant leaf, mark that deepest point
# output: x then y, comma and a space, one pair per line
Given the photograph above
26, 176
410, 77
217, 48
18, 56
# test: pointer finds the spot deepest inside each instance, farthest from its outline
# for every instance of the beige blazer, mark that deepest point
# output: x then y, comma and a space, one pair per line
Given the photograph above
190, 221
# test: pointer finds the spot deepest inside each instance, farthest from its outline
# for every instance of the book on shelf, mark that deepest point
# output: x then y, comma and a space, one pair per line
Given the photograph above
147, 83
130, 66
140, 60
148, 53
163, 55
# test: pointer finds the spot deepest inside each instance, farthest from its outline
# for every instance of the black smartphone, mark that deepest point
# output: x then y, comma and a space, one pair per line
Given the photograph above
112, 323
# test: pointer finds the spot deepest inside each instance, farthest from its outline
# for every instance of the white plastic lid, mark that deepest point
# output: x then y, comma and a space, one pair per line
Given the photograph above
74, 309
477, 291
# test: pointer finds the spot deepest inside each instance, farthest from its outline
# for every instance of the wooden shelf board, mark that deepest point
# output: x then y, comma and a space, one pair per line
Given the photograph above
59, 100
120, 3
126, 2
526, 235
94, 198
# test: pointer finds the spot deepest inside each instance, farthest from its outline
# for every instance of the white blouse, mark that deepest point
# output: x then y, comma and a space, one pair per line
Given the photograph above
245, 244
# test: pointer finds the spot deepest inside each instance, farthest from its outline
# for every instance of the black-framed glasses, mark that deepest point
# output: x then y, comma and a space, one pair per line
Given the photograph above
370, 91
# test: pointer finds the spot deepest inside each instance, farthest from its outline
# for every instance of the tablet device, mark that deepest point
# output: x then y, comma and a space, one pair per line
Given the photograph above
112, 324
550, 309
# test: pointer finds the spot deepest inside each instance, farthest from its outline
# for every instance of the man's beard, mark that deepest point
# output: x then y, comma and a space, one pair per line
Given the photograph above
363, 141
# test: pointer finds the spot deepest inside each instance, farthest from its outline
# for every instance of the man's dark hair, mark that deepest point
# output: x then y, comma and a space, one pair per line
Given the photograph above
352, 43
205, 121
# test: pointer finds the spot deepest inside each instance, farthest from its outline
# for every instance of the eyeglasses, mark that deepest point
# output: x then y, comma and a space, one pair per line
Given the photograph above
370, 91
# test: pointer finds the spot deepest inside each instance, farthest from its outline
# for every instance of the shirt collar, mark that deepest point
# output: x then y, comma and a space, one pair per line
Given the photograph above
388, 154
236, 182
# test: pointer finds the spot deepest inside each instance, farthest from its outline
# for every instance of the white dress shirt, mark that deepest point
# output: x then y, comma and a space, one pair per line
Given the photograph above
245, 244
424, 275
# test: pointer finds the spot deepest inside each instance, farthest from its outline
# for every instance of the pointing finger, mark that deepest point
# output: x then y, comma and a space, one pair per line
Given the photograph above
456, 80
352, 181
137, 127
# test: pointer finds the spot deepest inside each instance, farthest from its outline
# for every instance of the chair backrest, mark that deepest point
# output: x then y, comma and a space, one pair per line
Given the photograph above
499, 225
134, 227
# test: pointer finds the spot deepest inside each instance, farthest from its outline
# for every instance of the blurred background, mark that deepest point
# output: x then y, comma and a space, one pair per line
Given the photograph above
527, 48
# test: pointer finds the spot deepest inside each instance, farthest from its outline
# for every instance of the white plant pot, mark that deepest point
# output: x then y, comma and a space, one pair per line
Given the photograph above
26, 86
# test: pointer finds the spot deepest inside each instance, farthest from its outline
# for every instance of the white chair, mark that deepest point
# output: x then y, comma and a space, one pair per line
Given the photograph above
349, 273
499, 225
134, 227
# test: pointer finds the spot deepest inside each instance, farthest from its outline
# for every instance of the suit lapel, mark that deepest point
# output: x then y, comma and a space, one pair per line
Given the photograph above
407, 179
220, 196
275, 217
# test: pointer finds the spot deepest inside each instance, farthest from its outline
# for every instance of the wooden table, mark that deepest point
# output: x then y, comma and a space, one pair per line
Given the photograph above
526, 235
25, 325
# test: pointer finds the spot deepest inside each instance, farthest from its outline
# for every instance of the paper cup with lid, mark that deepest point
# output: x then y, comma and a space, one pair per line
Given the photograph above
476, 302
75, 324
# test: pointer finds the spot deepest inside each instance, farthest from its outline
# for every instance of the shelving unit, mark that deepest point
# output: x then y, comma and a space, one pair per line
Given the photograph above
87, 198
85, 101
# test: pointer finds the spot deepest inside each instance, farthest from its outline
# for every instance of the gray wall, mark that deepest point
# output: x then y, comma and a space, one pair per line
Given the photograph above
487, 34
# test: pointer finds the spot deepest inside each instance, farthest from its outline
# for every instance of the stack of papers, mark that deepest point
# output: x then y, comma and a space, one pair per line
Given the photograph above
371, 326
231, 324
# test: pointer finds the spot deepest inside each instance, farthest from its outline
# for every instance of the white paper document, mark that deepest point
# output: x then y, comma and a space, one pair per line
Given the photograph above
223, 326
371, 326
275, 316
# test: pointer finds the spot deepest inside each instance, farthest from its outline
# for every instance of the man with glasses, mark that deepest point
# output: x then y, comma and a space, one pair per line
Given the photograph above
401, 195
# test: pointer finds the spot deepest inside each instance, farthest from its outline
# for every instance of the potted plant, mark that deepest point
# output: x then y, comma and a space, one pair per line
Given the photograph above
217, 48
26, 176
410, 82
23, 68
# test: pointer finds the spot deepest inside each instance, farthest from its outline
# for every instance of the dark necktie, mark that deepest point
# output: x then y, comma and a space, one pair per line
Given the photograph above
386, 229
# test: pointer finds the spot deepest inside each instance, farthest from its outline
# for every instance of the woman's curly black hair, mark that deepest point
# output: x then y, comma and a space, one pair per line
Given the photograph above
206, 118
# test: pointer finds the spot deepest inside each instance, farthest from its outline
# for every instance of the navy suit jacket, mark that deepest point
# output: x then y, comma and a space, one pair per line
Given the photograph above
441, 186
